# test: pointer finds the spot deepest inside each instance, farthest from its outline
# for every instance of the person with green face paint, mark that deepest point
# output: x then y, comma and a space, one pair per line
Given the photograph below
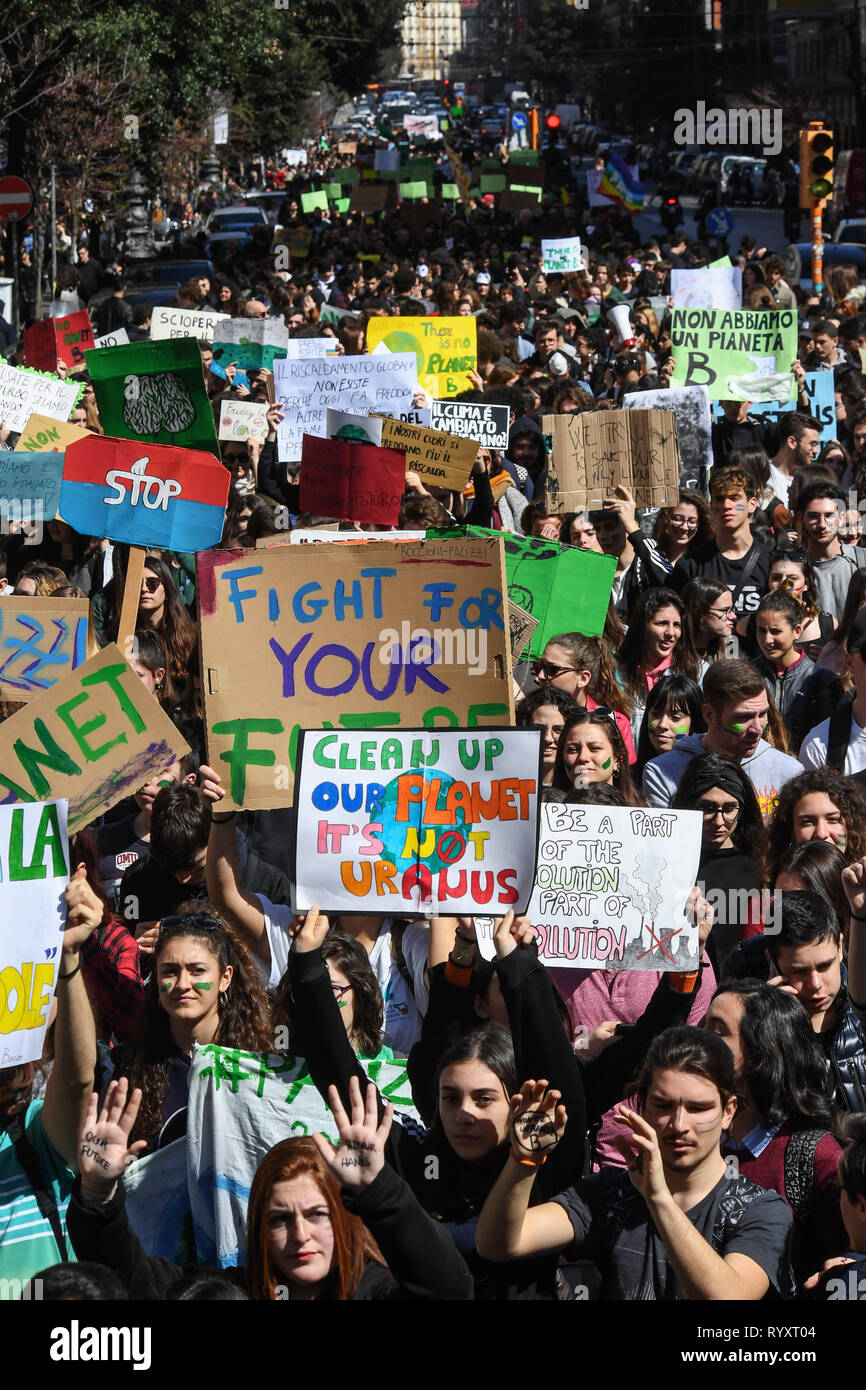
736, 710
203, 988
591, 750
673, 711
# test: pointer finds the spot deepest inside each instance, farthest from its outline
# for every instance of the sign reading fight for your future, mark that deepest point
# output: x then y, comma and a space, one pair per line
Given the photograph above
420, 821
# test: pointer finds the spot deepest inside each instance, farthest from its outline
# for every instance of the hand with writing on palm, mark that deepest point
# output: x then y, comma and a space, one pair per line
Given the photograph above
360, 1157
536, 1120
104, 1151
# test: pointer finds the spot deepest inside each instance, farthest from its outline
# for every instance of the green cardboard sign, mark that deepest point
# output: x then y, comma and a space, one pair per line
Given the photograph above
738, 354
153, 391
312, 202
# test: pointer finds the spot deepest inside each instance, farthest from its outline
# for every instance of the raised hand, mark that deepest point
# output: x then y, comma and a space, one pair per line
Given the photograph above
699, 910
360, 1157
854, 883
511, 932
104, 1152
642, 1155
536, 1120
84, 910
309, 930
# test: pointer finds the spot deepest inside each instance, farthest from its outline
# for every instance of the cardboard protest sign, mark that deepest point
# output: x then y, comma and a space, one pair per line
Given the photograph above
347, 147
492, 183
691, 408
560, 255
445, 348
369, 199
437, 457
251, 343
819, 389
521, 626
739, 355
711, 287
515, 199
185, 323
24, 392
593, 452
351, 481
243, 420
58, 340
437, 816
461, 174
301, 637
94, 738
30, 484
330, 531
612, 885
240, 1105
153, 392
562, 589
296, 239
171, 499
41, 641
34, 870
115, 339
306, 389
414, 188
488, 424
346, 176
41, 434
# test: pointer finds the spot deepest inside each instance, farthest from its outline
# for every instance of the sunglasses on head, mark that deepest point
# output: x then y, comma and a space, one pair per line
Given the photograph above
199, 921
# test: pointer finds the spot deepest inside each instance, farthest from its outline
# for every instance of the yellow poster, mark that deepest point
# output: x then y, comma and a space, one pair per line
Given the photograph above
445, 348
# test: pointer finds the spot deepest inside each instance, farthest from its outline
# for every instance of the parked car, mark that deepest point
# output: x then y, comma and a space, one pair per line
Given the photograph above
235, 219
851, 231
798, 259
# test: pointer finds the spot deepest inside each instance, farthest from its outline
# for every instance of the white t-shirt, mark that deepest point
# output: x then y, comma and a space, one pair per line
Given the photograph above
813, 752
780, 483
403, 1014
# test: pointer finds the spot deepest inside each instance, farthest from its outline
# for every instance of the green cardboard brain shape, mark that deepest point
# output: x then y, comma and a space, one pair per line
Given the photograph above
155, 403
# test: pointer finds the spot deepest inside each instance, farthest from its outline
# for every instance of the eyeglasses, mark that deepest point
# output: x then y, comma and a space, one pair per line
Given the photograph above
721, 612
709, 810
688, 522
151, 583
547, 668
339, 990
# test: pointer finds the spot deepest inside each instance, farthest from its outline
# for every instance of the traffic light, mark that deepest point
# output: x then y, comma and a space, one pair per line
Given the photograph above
816, 164
553, 121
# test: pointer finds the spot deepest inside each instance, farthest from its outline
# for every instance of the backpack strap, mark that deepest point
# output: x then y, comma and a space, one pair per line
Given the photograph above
28, 1158
839, 733
800, 1169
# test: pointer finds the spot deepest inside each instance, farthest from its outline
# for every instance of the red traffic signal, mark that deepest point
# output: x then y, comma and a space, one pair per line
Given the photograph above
553, 121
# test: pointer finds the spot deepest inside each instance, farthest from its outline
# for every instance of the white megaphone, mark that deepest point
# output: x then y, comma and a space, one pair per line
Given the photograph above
620, 314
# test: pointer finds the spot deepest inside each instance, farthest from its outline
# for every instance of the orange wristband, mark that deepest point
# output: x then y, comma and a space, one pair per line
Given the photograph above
459, 975
682, 983
529, 1162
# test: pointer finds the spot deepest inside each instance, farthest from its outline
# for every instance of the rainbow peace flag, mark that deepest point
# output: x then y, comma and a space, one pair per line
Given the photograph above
620, 185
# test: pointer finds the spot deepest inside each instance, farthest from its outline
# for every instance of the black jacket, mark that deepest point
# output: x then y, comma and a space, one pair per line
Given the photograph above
844, 1045
422, 1262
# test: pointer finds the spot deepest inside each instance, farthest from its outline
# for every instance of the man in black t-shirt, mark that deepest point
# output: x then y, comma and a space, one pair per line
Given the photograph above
733, 557
679, 1222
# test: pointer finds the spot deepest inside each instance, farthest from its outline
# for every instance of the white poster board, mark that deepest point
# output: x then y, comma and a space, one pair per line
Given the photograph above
243, 420
414, 822
306, 389
710, 287
561, 255
34, 870
611, 887
24, 392
185, 323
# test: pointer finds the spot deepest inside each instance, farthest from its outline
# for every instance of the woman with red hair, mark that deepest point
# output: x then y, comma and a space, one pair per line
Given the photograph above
323, 1223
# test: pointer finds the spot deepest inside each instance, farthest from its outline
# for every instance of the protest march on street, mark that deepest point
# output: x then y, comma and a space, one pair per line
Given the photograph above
433, 694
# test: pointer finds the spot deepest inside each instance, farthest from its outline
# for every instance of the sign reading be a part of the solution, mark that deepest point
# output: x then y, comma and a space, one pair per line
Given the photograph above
413, 820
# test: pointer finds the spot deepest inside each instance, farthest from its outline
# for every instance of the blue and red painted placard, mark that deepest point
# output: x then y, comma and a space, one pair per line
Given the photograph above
144, 494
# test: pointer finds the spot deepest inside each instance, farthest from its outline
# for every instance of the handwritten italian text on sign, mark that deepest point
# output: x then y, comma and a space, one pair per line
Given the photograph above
145, 494
41, 434
352, 481
445, 349
41, 641
739, 355
445, 460
251, 343
34, 870
346, 636
417, 821
94, 738
611, 888
307, 389
168, 322
24, 392
488, 424
243, 420
30, 485
58, 340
